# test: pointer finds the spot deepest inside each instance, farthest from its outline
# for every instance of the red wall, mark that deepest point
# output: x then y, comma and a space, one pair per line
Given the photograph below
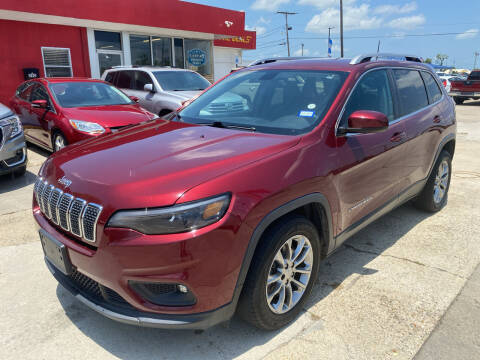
20, 47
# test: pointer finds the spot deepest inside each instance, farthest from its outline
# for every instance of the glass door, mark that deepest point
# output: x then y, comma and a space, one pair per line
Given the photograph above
108, 59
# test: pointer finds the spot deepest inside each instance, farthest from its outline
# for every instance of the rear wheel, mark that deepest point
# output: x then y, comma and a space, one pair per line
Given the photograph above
59, 141
435, 193
282, 274
458, 101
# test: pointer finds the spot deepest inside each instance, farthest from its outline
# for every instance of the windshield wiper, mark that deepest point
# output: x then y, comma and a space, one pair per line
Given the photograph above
220, 124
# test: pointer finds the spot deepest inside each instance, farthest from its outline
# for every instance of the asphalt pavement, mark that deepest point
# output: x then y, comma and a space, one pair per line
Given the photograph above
404, 287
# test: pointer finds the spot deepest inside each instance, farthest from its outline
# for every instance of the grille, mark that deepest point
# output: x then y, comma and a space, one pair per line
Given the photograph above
74, 215
160, 288
93, 289
1, 137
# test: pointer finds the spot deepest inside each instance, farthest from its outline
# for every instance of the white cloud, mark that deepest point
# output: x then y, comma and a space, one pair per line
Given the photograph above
396, 9
260, 30
323, 4
262, 20
407, 22
354, 18
299, 52
469, 34
269, 5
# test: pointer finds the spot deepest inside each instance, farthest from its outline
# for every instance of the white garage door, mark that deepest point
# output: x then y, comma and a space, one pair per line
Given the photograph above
225, 60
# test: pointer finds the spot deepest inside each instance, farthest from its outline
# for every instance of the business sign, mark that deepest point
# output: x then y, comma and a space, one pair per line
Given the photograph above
31, 73
197, 57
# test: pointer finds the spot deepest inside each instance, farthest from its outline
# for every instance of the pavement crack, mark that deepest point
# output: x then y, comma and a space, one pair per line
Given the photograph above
403, 259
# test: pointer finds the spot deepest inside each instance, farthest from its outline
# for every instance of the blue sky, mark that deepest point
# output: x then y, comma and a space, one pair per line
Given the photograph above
366, 22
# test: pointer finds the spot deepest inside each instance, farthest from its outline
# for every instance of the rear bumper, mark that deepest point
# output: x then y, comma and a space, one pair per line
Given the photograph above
132, 316
13, 155
464, 94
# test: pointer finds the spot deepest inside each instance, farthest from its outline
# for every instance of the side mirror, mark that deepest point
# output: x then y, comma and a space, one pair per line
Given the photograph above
148, 87
134, 98
42, 104
365, 122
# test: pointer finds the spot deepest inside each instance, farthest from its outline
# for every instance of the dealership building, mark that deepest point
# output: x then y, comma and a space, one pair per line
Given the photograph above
83, 38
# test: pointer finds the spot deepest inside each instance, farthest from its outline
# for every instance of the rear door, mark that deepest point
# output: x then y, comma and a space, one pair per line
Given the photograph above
124, 81
372, 170
423, 113
21, 106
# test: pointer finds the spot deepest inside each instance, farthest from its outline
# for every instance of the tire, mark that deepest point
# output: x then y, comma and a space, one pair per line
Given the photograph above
58, 139
254, 306
458, 101
435, 193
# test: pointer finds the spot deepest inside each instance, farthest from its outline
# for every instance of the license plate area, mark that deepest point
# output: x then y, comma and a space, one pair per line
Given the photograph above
56, 253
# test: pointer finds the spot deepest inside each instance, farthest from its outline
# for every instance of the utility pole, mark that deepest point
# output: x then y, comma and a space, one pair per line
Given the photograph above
341, 28
475, 63
302, 48
330, 43
287, 28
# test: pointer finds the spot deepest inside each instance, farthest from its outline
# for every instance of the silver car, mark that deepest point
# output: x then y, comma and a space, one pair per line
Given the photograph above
13, 151
158, 89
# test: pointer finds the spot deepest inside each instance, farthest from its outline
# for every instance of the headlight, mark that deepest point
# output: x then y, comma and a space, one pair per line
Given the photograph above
87, 127
11, 127
175, 219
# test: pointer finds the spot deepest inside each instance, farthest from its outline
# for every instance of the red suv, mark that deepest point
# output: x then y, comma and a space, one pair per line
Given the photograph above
56, 112
176, 224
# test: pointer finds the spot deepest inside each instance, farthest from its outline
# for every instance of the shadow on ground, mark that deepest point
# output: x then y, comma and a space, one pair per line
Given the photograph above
11, 182
236, 338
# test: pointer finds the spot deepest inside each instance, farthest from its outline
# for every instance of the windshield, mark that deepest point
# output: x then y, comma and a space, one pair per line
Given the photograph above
272, 101
88, 93
181, 80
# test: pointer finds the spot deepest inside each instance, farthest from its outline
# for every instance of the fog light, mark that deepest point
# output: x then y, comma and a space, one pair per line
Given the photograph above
182, 288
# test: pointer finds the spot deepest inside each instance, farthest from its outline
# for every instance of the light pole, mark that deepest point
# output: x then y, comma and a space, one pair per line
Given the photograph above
287, 28
341, 28
475, 62
302, 48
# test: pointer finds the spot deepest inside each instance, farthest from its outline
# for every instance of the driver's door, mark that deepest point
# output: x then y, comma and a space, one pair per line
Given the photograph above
41, 119
372, 169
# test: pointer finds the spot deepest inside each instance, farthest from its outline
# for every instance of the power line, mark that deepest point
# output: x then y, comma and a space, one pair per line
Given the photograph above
383, 36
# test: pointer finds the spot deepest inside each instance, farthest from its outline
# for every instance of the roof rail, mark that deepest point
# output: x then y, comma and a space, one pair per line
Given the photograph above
384, 56
276, 59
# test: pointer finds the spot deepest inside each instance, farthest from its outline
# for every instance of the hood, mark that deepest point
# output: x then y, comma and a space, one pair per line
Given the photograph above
153, 164
109, 115
183, 95
5, 111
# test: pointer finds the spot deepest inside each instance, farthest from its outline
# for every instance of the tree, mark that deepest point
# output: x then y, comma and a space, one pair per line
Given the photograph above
428, 60
441, 58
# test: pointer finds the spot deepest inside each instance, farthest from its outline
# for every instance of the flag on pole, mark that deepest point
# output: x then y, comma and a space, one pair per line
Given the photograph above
330, 43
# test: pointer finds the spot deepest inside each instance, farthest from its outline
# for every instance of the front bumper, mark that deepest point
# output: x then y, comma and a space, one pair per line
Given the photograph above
13, 154
129, 315
207, 263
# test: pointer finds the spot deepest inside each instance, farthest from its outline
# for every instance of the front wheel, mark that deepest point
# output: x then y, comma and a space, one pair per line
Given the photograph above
59, 142
435, 193
282, 274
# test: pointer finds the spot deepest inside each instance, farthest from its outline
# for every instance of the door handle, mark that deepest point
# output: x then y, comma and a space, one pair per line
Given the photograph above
437, 119
398, 136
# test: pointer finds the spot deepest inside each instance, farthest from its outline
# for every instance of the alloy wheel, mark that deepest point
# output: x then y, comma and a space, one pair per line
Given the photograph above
59, 143
289, 274
441, 182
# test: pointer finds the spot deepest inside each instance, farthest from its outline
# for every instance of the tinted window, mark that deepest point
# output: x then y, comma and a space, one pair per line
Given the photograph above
141, 79
475, 75
181, 80
24, 91
162, 51
88, 93
140, 50
124, 79
271, 101
434, 92
371, 93
411, 91
110, 78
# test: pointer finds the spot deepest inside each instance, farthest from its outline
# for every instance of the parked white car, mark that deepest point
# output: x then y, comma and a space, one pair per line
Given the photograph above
160, 90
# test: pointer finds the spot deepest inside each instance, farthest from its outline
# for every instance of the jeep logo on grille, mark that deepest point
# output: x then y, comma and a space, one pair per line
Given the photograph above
65, 182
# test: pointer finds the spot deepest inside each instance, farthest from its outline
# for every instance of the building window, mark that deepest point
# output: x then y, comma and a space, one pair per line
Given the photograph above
179, 56
107, 40
57, 62
151, 50
198, 56
140, 50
